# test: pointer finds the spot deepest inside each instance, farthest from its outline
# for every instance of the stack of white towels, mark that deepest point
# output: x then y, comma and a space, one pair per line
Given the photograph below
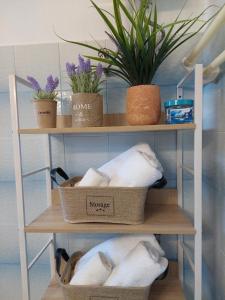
137, 167
125, 261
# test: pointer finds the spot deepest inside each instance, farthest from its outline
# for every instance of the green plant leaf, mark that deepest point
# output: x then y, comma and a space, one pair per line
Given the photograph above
144, 44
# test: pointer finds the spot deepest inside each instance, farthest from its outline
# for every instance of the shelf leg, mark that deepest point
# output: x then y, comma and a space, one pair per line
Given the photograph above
198, 181
180, 191
19, 188
180, 201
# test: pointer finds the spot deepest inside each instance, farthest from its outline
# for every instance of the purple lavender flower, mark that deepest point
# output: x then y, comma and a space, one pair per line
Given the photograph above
34, 83
99, 70
51, 84
71, 69
82, 64
88, 66
79, 71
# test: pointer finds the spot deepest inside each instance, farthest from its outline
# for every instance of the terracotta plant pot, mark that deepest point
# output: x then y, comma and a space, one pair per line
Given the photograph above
45, 111
143, 105
87, 110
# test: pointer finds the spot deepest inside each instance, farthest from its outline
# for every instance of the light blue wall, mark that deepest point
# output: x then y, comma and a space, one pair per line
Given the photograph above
214, 170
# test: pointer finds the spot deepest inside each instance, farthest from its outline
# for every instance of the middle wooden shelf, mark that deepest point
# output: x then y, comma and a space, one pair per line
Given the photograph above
162, 216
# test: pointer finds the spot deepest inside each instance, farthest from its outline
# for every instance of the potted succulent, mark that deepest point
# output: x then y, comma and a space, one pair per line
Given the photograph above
87, 103
141, 47
44, 102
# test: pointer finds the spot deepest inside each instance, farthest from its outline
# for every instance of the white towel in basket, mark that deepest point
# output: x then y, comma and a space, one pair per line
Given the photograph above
94, 178
117, 248
138, 269
95, 272
138, 170
112, 167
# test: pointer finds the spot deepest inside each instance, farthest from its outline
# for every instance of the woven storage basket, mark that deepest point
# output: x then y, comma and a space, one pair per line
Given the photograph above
72, 292
102, 204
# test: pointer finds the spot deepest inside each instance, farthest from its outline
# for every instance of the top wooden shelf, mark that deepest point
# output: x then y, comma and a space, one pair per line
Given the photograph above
112, 123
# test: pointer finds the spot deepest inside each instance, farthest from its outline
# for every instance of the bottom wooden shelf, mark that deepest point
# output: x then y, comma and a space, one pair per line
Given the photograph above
167, 289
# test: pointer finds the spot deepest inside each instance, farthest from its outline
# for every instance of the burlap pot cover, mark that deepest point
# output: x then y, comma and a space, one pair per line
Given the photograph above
45, 111
71, 292
87, 109
102, 204
143, 105
64, 121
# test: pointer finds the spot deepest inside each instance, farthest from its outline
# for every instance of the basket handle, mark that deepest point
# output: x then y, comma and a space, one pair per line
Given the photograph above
159, 184
59, 254
164, 274
60, 172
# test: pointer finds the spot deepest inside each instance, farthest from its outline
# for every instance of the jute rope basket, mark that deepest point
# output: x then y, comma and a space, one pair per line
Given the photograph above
71, 292
102, 204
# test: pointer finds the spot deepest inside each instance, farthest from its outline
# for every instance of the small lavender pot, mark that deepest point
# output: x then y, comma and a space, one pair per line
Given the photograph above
45, 111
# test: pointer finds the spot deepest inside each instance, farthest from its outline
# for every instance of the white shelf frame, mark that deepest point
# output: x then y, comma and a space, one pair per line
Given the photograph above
196, 265
19, 177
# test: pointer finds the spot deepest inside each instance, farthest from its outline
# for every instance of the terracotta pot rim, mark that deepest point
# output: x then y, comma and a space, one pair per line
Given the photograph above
44, 100
143, 85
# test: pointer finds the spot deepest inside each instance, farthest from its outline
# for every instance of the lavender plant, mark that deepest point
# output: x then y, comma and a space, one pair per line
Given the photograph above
48, 92
84, 78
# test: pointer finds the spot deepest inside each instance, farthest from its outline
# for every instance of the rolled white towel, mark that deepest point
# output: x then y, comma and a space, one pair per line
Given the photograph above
138, 170
95, 272
117, 248
112, 167
94, 178
138, 269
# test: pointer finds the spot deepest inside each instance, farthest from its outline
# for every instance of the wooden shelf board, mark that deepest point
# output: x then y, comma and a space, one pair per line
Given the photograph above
108, 129
167, 289
111, 123
159, 219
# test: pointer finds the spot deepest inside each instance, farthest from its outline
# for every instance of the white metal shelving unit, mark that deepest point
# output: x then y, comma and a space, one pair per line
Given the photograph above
196, 263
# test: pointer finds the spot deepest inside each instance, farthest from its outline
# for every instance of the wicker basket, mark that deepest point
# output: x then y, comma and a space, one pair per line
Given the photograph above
102, 204
72, 292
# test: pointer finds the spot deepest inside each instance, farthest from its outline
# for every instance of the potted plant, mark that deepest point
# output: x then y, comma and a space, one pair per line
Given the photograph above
142, 45
44, 102
87, 103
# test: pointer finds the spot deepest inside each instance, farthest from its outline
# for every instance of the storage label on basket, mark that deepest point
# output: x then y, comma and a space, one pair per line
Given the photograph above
100, 205
103, 298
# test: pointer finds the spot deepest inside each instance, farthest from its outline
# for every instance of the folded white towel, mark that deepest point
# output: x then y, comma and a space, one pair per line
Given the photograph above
94, 178
111, 168
117, 248
138, 170
95, 272
138, 269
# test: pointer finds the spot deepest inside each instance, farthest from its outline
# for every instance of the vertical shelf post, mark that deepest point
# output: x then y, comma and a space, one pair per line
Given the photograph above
198, 181
19, 187
180, 190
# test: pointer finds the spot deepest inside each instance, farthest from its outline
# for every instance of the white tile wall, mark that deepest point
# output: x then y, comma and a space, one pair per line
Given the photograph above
116, 99
6, 160
121, 142
8, 204
5, 120
7, 66
38, 61
9, 245
165, 147
10, 283
85, 151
